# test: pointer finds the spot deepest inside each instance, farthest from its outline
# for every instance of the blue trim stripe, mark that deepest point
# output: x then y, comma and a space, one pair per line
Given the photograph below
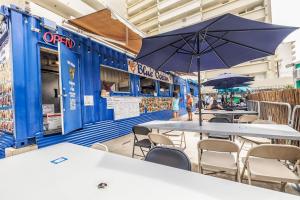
101, 131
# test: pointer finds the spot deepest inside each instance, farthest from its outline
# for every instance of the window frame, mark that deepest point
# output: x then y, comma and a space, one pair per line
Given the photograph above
170, 89
117, 93
155, 88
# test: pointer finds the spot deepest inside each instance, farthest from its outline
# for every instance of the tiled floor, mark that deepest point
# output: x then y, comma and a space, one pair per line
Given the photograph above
123, 146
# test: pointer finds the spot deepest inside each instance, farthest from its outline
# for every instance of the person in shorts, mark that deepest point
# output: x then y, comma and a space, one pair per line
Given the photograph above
175, 106
189, 106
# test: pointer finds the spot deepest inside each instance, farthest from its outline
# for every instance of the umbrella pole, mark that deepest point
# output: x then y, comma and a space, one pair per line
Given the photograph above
199, 93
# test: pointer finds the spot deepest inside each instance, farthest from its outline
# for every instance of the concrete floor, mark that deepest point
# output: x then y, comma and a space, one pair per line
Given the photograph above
123, 146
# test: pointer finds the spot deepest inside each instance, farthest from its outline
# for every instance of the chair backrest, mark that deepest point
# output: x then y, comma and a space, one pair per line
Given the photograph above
260, 121
218, 145
220, 120
247, 118
140, 130
99, 146
159, 139
275, 151
169, 156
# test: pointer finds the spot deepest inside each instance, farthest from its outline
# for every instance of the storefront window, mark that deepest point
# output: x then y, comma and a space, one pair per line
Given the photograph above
177, 90
114, 80
164, 89
147, 86
192, 91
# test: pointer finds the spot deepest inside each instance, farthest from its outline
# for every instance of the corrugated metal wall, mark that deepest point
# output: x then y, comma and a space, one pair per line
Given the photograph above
97, 120
5, 141
102, 131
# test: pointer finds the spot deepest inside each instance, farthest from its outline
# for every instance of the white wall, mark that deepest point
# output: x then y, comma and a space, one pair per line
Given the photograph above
285, 55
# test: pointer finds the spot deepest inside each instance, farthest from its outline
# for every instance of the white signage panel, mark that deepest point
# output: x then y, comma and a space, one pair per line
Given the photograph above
145, 71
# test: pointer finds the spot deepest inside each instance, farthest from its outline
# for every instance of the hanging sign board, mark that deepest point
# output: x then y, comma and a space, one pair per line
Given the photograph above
145, 71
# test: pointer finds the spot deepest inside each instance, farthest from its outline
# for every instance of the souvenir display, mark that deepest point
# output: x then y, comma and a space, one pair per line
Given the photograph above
6, 112
154, 104
6, 122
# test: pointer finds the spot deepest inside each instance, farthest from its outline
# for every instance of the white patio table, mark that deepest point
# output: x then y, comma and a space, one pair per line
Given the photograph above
231, 114
70, 172
272, 131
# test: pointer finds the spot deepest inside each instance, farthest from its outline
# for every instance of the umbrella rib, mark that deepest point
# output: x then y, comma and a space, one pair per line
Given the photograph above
167, 45
184, 53
243, 45
214, 50
168, 35
182, 49
207, 48
171, 55
188, 44
254, 29
191, 61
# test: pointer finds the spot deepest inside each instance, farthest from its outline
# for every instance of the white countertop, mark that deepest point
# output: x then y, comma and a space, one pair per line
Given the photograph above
272, 131
33, 176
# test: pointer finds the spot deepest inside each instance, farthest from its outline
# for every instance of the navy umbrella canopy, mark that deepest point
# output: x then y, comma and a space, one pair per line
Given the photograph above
217, 43
231, 86
228, 80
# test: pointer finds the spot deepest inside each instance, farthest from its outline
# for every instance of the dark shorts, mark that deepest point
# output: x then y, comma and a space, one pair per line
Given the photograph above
189, 109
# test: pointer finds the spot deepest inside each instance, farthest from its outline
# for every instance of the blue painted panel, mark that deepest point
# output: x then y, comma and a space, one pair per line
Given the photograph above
98, 123
102, 131
87, 83
96, 57
19, 77
6, 141
70, 85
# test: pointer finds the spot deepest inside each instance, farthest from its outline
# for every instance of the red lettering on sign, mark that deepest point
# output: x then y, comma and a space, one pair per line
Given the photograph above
54, 38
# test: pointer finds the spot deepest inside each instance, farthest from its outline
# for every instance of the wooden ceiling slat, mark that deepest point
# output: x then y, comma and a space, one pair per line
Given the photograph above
101, 23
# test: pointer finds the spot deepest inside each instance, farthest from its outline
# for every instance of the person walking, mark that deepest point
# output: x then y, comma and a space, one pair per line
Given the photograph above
214, 104
175, 106
223, 100
189, 106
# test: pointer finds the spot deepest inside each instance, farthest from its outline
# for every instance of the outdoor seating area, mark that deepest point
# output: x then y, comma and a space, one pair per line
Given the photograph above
264, 157
249, 160
154, 99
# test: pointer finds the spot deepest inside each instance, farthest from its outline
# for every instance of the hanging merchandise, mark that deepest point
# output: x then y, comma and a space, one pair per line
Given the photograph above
154, 104
6, 110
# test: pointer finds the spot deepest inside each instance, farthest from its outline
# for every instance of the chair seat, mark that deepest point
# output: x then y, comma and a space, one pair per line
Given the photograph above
143, 143
271, 170
257, 140
211, 160
173, 133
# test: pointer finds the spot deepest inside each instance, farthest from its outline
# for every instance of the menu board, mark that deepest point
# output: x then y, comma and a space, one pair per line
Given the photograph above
154, 104
124, 107
6, 108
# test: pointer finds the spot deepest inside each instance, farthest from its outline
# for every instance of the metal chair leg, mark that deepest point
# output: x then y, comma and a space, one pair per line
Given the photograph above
142, 152
183, 141
133, 151
282, 186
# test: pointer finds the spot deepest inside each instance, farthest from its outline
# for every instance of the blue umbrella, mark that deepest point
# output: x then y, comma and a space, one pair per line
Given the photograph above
220, 42
231, 86
228, 80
